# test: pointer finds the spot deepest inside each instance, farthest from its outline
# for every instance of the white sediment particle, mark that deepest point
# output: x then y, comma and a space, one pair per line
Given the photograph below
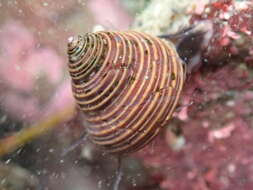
45, 4
17, 67
70, 39
51, 150
100, 182
8, 161
231, 168
98, 28
226, 15
3, 118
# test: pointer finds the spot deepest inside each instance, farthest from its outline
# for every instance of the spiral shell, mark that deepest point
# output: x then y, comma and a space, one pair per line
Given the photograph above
127, 84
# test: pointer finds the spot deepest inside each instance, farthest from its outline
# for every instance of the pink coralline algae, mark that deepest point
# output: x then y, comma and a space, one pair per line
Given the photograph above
218, 136
29, 73
232, 27
217, 119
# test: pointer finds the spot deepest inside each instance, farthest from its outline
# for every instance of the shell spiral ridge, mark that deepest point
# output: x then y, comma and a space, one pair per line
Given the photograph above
127, 84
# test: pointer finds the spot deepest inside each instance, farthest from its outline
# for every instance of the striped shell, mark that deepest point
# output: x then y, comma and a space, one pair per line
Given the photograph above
127, 85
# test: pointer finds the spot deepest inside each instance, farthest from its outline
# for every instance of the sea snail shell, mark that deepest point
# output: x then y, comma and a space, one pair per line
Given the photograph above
127, 84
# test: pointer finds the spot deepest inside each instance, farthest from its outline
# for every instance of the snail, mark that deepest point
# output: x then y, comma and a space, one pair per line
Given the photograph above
127, 85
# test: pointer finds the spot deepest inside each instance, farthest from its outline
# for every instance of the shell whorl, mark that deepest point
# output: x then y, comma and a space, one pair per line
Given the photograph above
127, 85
